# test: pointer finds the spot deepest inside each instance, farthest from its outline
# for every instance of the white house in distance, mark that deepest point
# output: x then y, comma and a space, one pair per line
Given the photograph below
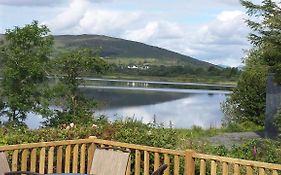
138, 67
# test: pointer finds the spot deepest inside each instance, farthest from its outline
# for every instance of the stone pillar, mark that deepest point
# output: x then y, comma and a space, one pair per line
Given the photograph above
273, 102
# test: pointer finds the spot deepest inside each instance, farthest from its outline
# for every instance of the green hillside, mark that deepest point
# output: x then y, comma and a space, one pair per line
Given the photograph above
125, 50
150, 62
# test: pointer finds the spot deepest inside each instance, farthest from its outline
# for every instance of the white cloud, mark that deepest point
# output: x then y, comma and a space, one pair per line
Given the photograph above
107, 22
222, 40
80, 17
229, 2
226, 16
41, 2
69, 16
155, 30
227, 28
219, 41
143, 34
30, 2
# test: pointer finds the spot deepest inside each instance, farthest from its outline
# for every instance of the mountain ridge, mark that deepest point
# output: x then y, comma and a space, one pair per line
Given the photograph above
112, 47
121, 48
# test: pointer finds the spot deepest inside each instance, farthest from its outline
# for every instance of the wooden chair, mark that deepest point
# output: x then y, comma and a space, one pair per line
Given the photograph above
4, 166
5, 169
107, 161
160, 170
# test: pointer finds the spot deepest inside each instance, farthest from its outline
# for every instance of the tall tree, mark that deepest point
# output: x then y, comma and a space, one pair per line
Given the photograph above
70, 67
265, 23
247, 103
25, 53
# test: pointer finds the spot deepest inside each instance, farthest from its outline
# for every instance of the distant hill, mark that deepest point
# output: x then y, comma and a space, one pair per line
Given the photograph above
120, 48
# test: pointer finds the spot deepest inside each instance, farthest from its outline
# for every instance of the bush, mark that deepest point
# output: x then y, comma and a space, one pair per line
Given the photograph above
129, 131
242, 127
266, 151
136, 132
247, 102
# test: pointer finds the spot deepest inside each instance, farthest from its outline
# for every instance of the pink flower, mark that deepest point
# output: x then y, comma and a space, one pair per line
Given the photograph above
254, 151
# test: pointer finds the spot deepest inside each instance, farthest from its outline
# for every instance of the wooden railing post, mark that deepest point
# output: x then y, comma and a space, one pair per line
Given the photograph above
189, 163
91, 150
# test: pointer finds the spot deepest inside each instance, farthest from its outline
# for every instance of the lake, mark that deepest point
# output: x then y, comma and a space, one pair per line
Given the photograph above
179, 105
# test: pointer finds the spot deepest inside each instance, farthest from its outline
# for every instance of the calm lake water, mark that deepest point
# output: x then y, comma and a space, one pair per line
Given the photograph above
176, 104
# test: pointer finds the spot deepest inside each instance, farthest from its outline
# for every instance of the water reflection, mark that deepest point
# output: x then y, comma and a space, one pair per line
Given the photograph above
196, 109
125, 96
183, 107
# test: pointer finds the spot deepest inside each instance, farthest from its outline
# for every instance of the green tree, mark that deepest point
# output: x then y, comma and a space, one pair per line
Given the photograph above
25, 53
265, 23
70, 67
247, 103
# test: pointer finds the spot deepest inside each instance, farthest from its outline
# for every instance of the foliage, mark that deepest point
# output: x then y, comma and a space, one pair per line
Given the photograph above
130, 131
267, 150
76, 63
242, 127
70, 67
175, 70
266, 32
133, 131
25, 54
247, 102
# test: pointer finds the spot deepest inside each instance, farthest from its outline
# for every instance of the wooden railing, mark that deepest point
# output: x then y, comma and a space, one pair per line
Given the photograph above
226, 165
75, 156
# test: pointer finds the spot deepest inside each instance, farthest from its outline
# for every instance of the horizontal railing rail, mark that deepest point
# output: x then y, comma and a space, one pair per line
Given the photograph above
75, 156
226, 165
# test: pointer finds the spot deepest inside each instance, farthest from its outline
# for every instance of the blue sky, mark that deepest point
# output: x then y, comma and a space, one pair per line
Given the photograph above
209, 30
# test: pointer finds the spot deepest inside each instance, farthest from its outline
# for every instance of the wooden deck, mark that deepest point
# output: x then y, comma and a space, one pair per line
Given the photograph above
75, 156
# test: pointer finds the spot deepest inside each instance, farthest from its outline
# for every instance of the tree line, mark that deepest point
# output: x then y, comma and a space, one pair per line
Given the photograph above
166, 70
26, 62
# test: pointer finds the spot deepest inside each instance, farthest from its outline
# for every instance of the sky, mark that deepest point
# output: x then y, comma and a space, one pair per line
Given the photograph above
209, 30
